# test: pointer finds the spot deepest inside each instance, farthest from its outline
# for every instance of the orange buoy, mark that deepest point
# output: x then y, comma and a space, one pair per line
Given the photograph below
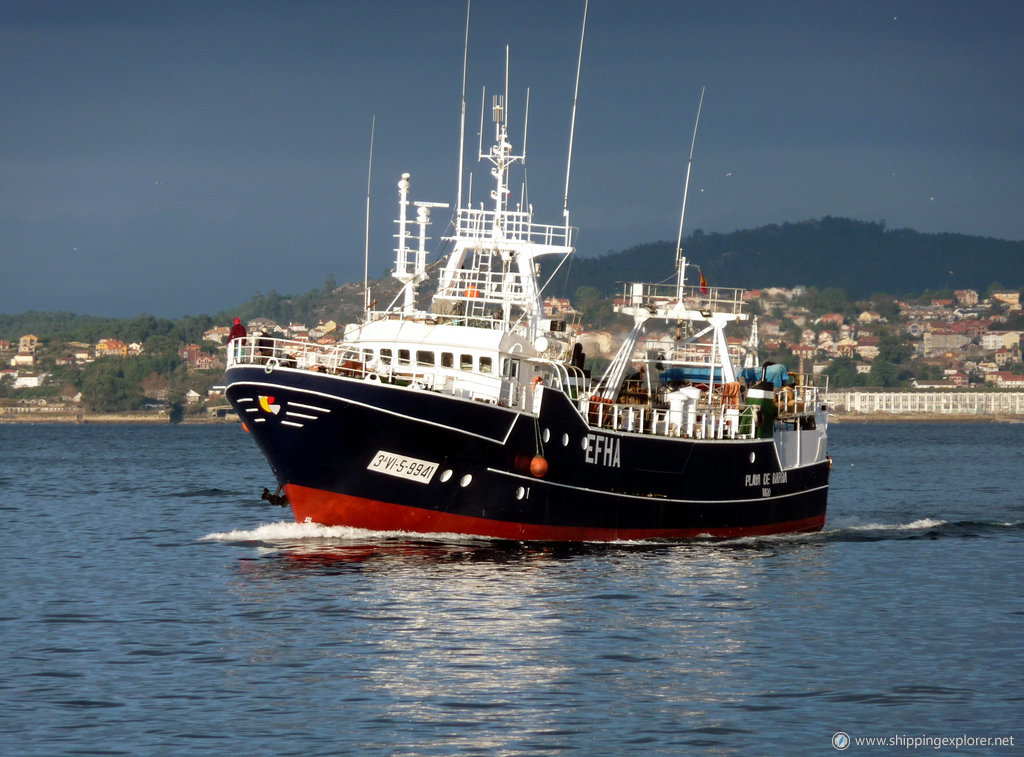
539, 466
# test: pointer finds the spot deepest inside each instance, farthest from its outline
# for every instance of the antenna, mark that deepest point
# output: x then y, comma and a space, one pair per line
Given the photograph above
526, 122
366, 244
462, 120
483, 100
686, 186
572, 125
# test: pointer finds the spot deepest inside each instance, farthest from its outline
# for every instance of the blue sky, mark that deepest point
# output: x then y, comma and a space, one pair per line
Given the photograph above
178, 157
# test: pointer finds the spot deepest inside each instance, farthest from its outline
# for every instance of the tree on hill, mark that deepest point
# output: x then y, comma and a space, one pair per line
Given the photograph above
893, 349
842, 373
862, 257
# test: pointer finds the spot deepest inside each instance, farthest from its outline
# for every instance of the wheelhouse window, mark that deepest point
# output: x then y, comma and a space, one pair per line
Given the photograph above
424, 357
486, 365
403, 357
447, 360
385, 356
465, 362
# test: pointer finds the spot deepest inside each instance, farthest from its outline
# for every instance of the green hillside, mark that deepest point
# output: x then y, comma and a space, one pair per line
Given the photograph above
857, 256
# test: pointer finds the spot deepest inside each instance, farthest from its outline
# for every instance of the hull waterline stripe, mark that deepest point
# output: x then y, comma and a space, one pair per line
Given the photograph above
299, 415
290, 423
332, 509
645, 498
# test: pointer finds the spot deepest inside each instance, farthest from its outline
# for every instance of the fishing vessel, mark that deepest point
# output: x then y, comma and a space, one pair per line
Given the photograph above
474, 411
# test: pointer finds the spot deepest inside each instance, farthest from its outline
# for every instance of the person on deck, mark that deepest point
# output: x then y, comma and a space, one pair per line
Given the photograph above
237, 331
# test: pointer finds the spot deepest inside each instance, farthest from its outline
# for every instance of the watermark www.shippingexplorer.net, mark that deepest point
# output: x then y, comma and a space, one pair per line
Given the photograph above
843, 741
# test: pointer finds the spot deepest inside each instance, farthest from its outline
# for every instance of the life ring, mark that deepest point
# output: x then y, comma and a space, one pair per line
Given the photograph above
537, 381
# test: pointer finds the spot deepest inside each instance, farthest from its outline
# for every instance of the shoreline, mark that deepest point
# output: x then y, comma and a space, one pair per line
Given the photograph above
162, 419
139, 419
841, 418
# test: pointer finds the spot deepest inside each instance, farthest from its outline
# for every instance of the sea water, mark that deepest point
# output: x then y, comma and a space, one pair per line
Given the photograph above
152, 604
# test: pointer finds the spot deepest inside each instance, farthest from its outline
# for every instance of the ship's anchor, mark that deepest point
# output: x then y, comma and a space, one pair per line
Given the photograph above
276, 498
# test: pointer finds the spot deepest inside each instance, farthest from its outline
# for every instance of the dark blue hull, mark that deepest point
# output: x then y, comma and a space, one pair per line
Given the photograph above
370, 455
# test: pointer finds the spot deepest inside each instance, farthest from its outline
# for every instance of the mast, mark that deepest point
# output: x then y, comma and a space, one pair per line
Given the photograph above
680, 259
366, 241
462, 120
572, 122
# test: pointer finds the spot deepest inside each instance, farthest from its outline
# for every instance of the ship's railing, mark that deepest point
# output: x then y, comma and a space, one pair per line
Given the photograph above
476, 321
714, 420
509, 225
666, 297
799, 398
272, 352
348, 361
484, 286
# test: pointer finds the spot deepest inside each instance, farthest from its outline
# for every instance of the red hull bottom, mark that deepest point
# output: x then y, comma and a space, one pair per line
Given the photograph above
332, 509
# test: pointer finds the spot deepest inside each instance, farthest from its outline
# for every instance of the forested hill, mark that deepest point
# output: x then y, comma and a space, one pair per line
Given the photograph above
860, 257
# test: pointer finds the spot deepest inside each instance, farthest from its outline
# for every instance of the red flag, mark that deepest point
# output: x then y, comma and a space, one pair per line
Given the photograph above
703, 284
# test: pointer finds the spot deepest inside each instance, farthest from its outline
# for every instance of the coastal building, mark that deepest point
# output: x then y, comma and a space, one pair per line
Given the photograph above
1007, 356
960, 402
111, 348
1008, 298
778, 294
322, 329
940, 340
263, 325
198, 360
217, 335
846, 348
1005, 379
966, 297
833, 319
998, 340
30, 380
556, 305
867, 346
28, 343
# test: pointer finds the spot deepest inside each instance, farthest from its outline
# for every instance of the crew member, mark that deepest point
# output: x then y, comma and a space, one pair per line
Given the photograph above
237, 331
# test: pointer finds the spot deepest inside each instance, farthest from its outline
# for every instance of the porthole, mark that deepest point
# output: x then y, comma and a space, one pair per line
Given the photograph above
465, 481
520, 493
446, 475
565, 440
753, 456
546, 436
585, 442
